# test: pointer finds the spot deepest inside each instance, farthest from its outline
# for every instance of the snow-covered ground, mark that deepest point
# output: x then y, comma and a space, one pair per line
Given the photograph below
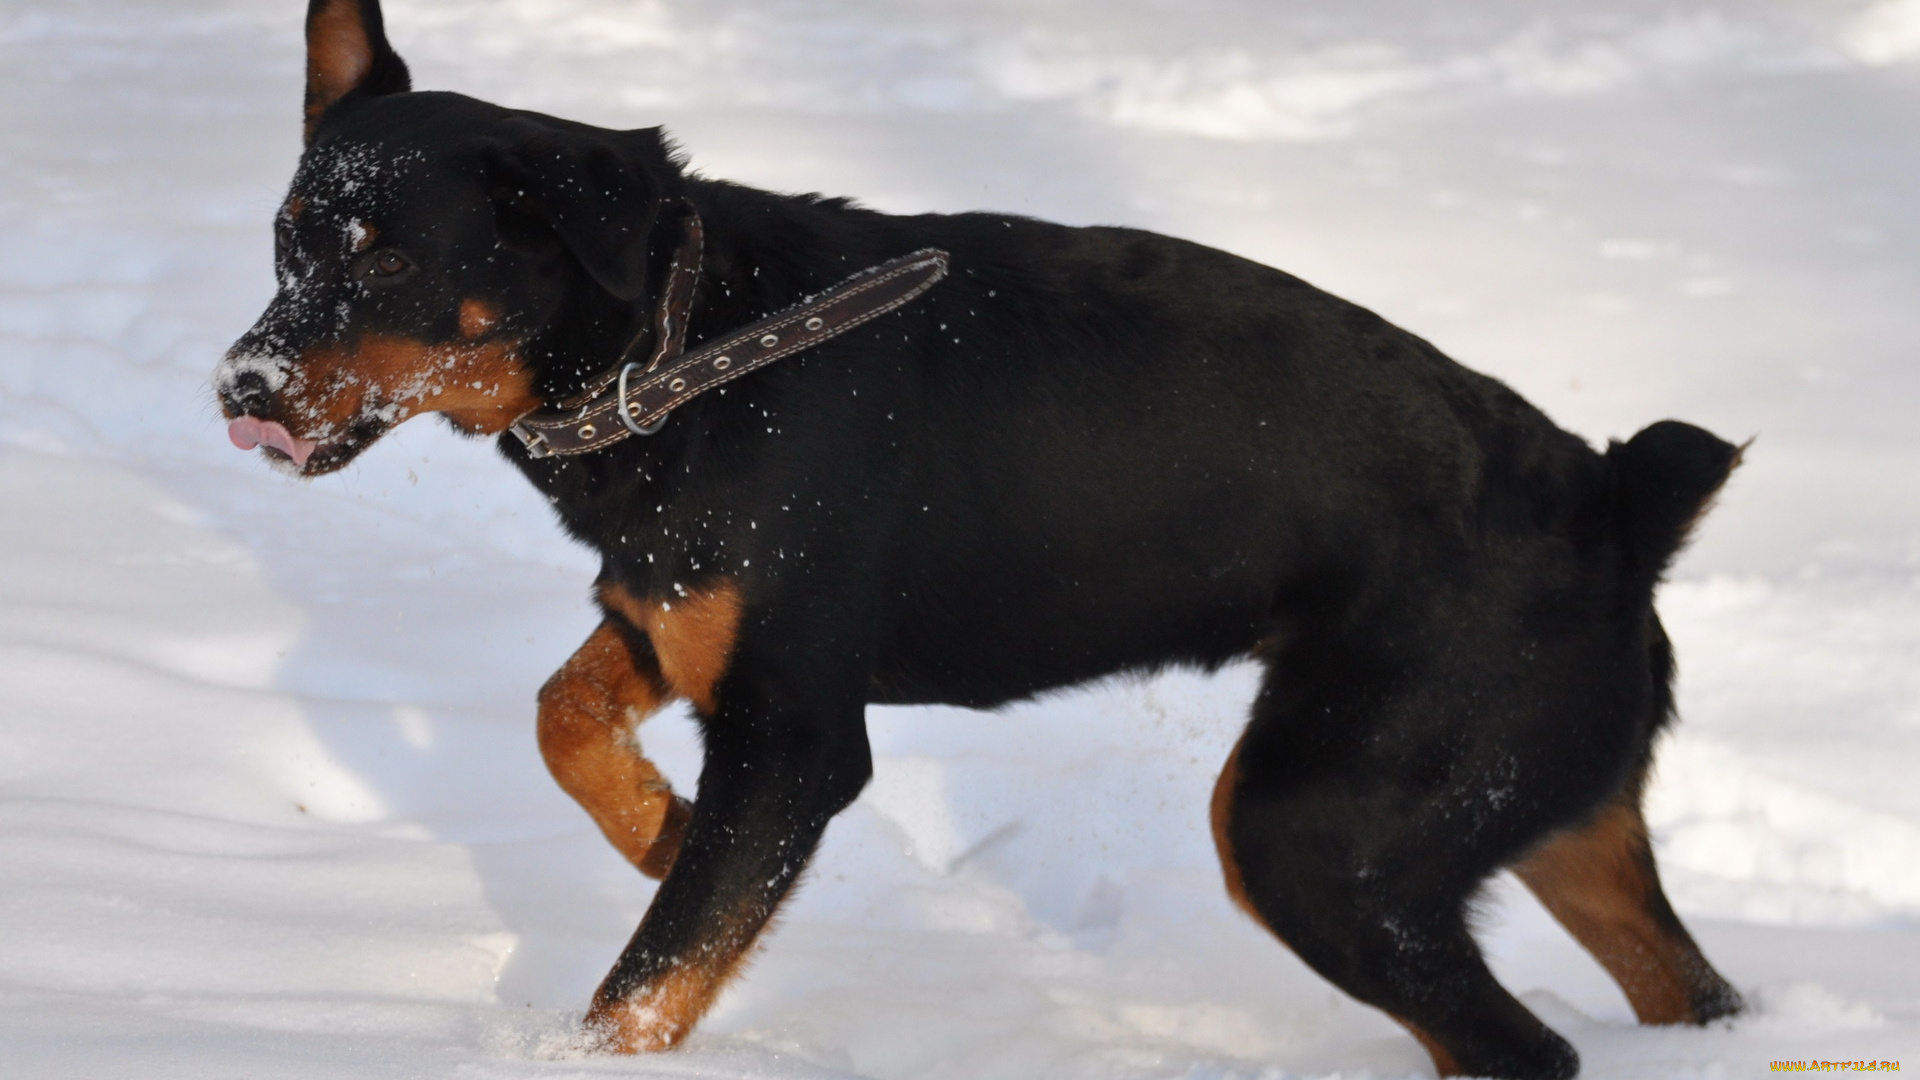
269, 800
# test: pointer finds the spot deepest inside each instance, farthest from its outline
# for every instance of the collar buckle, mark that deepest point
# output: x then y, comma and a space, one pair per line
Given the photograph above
536, 443
629, 409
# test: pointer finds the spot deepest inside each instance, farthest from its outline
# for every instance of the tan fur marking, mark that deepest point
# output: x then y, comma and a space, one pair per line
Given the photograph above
693, 638
1220, 811
1600, 883
295, 207
481, 386
364, 236
1443, 1062
477, 317
664, 1013
588, 711
339, 56
693, 635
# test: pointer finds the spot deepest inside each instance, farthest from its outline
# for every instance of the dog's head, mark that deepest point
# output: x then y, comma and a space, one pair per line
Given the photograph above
425, 251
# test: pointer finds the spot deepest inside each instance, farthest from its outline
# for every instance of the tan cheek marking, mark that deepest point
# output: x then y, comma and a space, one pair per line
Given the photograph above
693, 636
481, 387
587, 714
477, 317
487, 389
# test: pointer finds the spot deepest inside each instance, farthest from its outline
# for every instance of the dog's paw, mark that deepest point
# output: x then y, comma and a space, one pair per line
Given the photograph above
652, 1019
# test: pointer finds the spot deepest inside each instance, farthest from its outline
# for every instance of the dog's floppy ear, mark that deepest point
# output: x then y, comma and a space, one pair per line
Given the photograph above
599, 191
347, 53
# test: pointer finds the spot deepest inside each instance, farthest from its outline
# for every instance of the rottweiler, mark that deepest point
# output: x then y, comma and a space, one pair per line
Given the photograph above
832, 457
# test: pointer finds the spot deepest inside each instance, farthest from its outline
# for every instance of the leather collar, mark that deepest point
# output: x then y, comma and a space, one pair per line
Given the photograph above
632, 398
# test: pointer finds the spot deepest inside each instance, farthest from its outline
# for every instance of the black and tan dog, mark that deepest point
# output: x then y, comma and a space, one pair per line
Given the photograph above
1085, 451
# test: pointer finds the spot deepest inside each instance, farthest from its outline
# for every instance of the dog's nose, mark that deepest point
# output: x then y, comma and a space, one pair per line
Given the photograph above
247, 393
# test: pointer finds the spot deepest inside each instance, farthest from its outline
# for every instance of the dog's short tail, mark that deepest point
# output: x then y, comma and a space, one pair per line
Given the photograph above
1664, 480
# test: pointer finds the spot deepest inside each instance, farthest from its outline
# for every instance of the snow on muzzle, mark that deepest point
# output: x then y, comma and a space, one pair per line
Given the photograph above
323, 405
245, 381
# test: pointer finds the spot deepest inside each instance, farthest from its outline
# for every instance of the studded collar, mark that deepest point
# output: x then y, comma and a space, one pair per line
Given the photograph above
635, 398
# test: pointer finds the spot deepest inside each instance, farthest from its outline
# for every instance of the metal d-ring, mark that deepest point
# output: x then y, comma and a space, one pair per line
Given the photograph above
626, 416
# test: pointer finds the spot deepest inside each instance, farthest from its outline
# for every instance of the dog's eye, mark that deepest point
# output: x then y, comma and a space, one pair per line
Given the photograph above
282, 238
386, 264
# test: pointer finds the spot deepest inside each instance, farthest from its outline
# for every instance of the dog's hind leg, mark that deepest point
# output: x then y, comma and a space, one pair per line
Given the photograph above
1360, 849
589, 710
1599, 880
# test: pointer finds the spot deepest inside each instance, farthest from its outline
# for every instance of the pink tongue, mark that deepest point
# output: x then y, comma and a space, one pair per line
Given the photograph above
248, 432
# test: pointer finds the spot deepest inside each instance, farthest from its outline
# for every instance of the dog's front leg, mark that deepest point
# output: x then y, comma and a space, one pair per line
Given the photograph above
782, 758
589, 712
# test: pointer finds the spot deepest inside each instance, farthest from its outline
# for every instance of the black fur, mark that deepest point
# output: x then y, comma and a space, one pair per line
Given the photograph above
1089, 451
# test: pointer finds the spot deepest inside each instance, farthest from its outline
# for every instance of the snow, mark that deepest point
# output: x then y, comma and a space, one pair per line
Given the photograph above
269, 800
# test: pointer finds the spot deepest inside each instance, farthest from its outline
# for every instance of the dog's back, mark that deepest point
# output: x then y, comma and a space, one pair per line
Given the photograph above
1110, 449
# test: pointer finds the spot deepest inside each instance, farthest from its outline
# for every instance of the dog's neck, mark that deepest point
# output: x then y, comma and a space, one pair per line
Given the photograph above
656, 372
741, 277
765, 252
